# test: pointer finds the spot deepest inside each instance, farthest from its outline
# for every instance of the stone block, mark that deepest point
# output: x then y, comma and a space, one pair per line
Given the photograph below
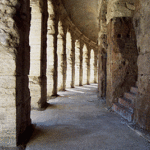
8, 62
142, 111
35, 68
22, 90
8, 97
144, 84
8, 82
8, 126
144, 64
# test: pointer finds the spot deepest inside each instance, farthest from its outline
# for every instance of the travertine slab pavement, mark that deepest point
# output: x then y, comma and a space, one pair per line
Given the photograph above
77, 120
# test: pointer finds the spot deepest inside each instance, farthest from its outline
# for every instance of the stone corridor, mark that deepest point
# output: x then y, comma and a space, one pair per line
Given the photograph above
75, 46
77, 120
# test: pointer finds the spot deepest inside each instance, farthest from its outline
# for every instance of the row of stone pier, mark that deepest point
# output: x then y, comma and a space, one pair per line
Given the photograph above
61, 57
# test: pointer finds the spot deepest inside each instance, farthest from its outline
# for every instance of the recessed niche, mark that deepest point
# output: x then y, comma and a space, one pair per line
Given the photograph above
119, 36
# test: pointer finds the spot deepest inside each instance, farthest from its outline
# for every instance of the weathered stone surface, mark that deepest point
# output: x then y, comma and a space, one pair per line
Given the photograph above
120, 8
51, 54
69, 59
77, 62
92, 66
143, 64
60, 51
35, 43
85, 67
141, 26
96, 65
122, 58
14, 49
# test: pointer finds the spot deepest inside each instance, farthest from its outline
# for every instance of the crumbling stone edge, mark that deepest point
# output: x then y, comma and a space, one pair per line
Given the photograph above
141, 132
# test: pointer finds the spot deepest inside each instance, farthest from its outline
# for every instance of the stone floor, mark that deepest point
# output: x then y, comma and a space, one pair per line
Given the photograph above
77, 120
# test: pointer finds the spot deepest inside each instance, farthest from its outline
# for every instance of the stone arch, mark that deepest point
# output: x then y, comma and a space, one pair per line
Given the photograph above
38, 31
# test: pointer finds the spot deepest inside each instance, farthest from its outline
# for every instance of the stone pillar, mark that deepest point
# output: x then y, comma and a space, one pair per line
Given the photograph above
14, 71
81, 64
35, 53
102, 75
88, 65
104, 69
44, 10
85, 68
60, 51
102, 43
95, 66
64, 60
37, 39
100, 71
77, 62
73, 60
69, 60
51, 52
92, 66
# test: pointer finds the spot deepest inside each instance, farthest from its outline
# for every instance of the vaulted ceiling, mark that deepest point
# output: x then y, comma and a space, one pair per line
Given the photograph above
83, 14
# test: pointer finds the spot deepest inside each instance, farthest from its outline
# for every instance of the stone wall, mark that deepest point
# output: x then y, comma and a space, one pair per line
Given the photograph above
128, 53
14, 70
117, 39
77, 62
121, 58
141, 22
102, 49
